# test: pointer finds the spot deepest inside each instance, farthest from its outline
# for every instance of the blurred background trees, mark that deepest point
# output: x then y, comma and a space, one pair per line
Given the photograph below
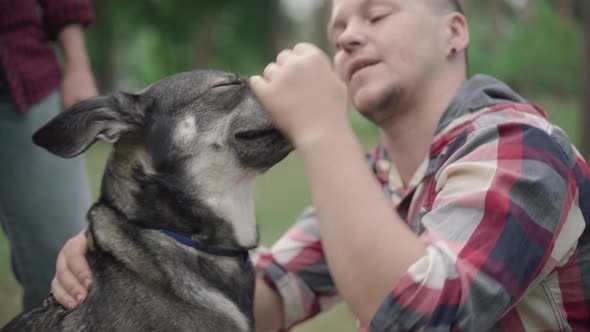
539, 47
536, 46
532, 44
137, 42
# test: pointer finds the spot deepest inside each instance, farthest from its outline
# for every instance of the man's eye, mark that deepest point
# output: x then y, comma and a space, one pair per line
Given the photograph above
378, 17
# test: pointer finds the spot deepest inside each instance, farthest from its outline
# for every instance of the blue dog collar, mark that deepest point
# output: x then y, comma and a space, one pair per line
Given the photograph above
187, 241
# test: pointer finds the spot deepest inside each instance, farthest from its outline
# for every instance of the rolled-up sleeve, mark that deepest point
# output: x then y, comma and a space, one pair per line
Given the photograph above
504, 214
59, 13
296, 268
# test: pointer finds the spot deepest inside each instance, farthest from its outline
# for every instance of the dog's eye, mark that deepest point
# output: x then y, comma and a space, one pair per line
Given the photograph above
225, 85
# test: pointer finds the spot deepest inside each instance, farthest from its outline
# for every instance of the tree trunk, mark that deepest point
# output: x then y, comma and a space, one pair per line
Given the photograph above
101, 45
495, 15
277, 34
566, 8
321, 19
467, 6
204, 42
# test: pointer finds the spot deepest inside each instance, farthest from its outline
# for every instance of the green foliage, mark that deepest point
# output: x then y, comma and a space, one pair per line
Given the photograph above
540, 54
147, 40
137, 42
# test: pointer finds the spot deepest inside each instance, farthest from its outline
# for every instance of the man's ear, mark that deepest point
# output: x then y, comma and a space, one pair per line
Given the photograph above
107, 117
458, 33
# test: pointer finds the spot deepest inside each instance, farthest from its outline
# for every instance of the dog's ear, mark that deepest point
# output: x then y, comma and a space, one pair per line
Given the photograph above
107, 117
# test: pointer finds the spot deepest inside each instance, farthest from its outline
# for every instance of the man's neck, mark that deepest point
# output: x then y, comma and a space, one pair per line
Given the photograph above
408, 136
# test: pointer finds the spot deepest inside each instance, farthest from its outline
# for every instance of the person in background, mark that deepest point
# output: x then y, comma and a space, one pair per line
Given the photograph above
470, 214
43, 199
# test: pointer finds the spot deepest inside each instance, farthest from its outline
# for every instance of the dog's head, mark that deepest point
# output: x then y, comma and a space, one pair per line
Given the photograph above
185, 115
189, 145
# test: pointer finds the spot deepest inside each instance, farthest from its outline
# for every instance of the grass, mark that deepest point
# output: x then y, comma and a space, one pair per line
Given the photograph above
280, 195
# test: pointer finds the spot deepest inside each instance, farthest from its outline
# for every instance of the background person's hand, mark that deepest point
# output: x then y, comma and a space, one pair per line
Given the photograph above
78, 84
73, 277
302, 94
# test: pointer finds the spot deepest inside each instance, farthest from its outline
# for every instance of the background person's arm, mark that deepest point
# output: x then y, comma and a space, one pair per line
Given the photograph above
63, 21
78, 82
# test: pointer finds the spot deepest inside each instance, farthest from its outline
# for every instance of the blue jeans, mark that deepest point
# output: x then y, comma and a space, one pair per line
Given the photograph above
43, 198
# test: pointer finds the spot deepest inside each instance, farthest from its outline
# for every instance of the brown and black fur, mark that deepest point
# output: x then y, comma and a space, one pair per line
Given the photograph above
185, 151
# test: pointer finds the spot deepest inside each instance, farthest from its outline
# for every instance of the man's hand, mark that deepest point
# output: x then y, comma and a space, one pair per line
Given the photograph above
72, 274
302, 94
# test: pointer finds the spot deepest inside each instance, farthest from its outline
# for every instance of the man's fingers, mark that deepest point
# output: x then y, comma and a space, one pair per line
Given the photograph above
74, 255
259, 86
303, 47
61, 295
284, 56
81, 270
72, 286
270, 71
65, 281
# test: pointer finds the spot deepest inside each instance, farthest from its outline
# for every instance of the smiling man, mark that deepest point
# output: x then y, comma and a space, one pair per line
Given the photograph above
469, 215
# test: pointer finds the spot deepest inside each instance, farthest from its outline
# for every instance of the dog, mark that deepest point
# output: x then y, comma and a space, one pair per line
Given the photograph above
168, 238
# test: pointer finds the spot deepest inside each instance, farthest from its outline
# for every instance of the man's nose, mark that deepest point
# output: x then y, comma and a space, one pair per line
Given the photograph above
352, 37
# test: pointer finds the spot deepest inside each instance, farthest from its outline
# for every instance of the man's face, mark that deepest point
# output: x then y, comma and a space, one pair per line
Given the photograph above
385, 50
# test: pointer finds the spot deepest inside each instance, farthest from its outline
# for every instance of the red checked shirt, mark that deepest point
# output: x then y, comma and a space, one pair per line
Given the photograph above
502, 202
26, 56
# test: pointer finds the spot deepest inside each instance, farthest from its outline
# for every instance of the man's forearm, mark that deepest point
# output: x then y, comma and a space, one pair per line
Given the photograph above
71, 40
268, 307
367, 245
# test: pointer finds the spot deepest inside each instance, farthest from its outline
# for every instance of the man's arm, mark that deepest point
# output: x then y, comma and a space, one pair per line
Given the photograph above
367, 246
268, 307
293, 277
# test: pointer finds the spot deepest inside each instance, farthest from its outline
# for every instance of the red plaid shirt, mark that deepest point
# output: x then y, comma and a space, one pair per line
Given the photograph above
26, 56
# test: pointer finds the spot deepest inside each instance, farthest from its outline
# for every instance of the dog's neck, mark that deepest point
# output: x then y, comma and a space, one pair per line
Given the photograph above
234, 203
220, 214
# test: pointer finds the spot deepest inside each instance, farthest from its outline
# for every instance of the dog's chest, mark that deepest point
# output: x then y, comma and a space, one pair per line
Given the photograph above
200, 299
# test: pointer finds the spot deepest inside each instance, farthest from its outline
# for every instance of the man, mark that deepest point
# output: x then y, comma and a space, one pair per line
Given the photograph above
43, 198
490, 200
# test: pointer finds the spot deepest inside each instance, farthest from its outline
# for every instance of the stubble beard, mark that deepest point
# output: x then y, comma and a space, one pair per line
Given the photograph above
389, 107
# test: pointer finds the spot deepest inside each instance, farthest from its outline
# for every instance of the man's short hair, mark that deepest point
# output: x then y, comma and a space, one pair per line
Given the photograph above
447, 5
456, 6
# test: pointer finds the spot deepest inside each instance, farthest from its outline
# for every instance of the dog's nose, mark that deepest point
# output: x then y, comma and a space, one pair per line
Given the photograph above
243, 80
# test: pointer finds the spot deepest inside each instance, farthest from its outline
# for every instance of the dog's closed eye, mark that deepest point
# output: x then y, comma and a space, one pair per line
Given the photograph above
228, 84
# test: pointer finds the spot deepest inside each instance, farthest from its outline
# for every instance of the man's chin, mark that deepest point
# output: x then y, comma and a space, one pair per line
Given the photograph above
367, 101
376, 106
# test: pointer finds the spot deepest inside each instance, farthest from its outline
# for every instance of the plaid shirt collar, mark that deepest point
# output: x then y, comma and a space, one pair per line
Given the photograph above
476, 94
